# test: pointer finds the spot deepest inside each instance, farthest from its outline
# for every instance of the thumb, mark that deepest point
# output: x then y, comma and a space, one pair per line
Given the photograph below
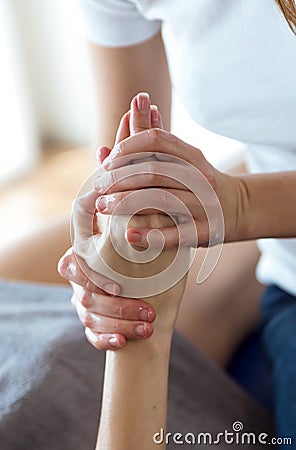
140, 118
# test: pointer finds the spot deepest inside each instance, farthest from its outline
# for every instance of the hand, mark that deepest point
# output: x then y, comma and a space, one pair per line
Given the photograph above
111, 320
184, 164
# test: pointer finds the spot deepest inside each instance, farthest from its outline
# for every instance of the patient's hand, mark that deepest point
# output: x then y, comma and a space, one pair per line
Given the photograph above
110, 320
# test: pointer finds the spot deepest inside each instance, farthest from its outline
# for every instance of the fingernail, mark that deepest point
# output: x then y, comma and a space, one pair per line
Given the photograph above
134, 237
154, 115
150, 315
111, 288
101, 203
140, 330
143, 101
143, 314
113, 341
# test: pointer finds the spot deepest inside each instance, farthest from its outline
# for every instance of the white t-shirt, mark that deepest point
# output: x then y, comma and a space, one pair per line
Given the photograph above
233, 64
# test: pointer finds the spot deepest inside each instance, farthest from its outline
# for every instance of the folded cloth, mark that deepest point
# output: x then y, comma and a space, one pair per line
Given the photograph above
51, 380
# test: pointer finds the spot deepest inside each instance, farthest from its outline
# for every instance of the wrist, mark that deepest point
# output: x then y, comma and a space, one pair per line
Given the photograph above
267, 205
166, 306
234, 198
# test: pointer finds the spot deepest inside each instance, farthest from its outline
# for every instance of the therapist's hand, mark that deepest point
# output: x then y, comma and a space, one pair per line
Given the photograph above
109, 319
215, 190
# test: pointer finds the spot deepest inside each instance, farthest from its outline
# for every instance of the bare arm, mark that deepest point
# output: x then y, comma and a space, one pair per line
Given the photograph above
134, 404
119, 74
267, 206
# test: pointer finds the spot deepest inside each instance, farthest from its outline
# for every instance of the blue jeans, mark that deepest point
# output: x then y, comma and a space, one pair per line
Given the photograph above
279, 346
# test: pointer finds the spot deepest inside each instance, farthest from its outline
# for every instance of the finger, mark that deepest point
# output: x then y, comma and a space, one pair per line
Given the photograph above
82, 234
140, 113
83, 211
185, 235
155, 117
103, 324
155, 120
105, 341
102, 153
164, 201
116, 307
70, 267
155, 140
82, 231
123, 131
147, 174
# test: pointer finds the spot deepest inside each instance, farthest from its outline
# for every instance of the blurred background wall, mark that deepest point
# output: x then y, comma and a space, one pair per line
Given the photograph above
46, 116
44, 78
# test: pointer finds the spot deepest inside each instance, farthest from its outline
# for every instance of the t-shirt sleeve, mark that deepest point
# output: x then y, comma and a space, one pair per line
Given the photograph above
115, 23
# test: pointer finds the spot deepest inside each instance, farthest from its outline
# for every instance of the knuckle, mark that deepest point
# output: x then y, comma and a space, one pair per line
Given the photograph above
197, 157
87, 320
156, 135
174, 140
86, 299
112, 179
120, 311
212, 180
101, 345
66, 258
64, 263
119, 202
198, 153
76, 205
141, 124
88, 283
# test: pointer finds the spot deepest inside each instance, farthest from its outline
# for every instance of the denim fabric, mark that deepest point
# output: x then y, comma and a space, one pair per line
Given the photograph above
279, 344
249, 368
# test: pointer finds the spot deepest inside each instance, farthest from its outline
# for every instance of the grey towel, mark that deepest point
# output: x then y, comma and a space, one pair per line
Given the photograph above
51, 379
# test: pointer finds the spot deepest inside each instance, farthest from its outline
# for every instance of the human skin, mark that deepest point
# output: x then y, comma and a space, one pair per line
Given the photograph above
233, 192
134, 405
136, 377
115, 84
227, 302
254, 205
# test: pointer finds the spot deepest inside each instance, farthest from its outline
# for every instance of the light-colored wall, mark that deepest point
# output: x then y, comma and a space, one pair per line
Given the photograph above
57, 69
18, 138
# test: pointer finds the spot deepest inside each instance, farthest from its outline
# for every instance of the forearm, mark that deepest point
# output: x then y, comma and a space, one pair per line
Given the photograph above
267, 206
119, 74
135, 386
134, 405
